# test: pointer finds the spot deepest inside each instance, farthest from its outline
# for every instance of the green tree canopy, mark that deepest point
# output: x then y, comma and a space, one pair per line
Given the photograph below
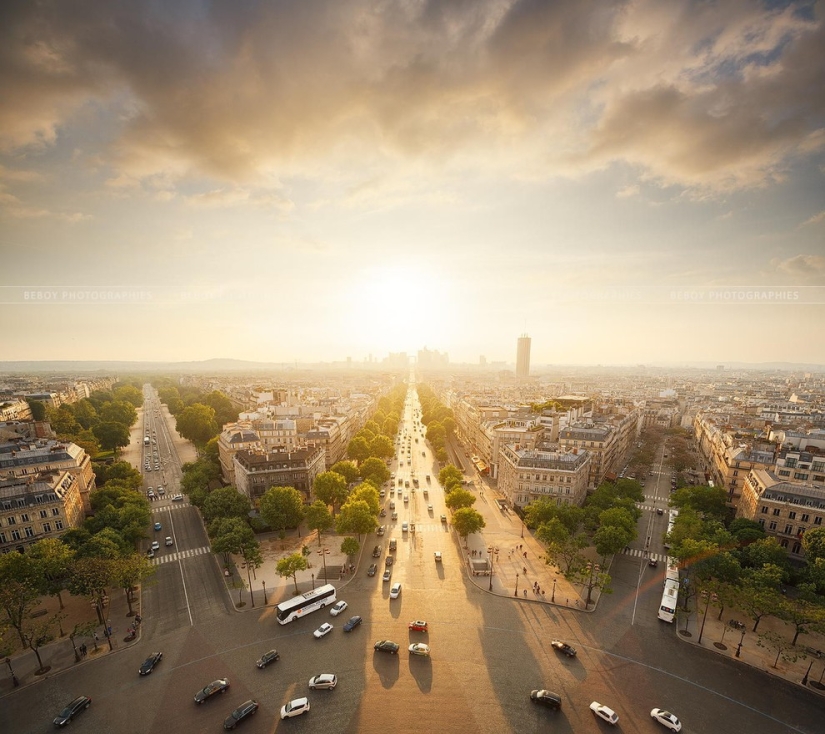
350, 546
610, 539
282, 507
197, 423
112, 436
459, 498
331, 488
381, 447
369, 494
118, 411
225, 411
226, 502
346, 469
375, 471
467, 521
450, 473
38, 409
290, 566
355, 517
128, 394
318, 517
358, 449
813, 542
709, 501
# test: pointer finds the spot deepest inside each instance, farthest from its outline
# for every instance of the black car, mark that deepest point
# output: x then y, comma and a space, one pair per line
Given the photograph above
150, 663
267, 658
563, 647
376, 552
388, 561
372, 569
386, 646
221, 685
353, 623
546, 698
244, 711
81, 703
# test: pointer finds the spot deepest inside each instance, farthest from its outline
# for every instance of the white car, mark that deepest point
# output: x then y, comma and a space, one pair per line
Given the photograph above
666, 719
604, 712
395, 591
404, 527
437, 556
325, 680
324, 629
177, 498
169, 540
155, 545
296, 707
419, 648
338, 608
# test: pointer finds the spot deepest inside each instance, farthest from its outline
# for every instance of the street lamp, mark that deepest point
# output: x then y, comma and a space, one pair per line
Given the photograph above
805, 679
263, 583
313, 581
522, 528
704, 616
553, 595
491, 571
739, 646
516, 593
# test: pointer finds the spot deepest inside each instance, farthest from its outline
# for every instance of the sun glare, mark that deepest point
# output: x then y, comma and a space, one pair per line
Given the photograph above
398, 309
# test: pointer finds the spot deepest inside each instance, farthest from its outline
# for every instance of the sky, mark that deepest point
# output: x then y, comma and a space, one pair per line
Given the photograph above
626, 182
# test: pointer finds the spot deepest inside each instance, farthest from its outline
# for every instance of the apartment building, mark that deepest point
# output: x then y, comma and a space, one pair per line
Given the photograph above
541, 473
328, 432
37, 506
233, 438
23, 458
15, 410
257, 471
785, 508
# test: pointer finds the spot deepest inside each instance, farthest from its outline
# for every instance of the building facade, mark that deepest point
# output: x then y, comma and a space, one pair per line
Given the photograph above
257, 471
523, 358
531, 474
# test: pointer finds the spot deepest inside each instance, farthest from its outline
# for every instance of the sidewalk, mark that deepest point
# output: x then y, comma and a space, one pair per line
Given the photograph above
720, 638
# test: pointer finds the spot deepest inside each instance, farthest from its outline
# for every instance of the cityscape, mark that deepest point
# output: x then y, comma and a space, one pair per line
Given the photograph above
484, 335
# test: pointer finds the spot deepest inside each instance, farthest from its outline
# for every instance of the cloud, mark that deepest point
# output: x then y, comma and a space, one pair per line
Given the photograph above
804, 266
713, 97
815, 219
230, 197
628, 191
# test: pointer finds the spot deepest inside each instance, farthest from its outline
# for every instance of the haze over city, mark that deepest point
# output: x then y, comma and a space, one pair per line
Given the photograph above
635, 182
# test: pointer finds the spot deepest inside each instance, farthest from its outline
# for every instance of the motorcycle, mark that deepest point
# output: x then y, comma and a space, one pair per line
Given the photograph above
131, 636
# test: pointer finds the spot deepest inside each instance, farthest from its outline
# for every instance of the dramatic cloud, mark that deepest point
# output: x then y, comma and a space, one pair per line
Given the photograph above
716, 96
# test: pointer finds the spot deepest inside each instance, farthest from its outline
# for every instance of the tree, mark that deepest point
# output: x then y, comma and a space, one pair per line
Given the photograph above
62, 420
282, 508
54, 560
19, 590
346, 469
38, 409
99, 397
229, 535
369, 494
355, 517
381, 447
129, 571
813, 542
610, 539
122, 471
591, 576
350, 547
331, 488
459, 498
450, 472
375, 471
128, 394
90, 576
467, 520
225, 411
619, 517
562, 545
118, 411
36, 635
225, 502
318, 517
197, 423
85, 413
784, 649
757, 602
358, 449
802, 612
288, 567
112, 436
709, 501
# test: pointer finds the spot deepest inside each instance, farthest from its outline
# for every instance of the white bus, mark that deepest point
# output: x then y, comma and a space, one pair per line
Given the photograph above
670, 598
302, 605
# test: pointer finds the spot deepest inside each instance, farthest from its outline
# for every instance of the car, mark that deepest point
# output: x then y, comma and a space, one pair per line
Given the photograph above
395, 591
388, 561
443, 518
371, 571
605, 713
177, 498
419, 648
221, 685
325, 680
155, 545
382, 493
666, 719
150, 553
387, 575
267, 658
653, 563
353, 622
418, 625
244, 711
400, 481
150, 663
382, 529
406, 498
393, 545
383, 513
295, 707
404, 527
392, 504
161, 491
169, 540
324, 629
148, 468
72, 709
660, 511
429, 508
386, 646
158, 526
337, 608
394, 516
437, 556
543, 697
564, 648
376, 552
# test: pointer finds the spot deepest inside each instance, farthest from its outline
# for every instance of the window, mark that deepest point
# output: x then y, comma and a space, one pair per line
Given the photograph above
3, 538
764, 510
790, 462
29, 532
776, 511
772, 526
15, 535
58, 525
818, 520
12, 520
788, 529
805, 517
797, 547
792, 516
800, 475
762, 523
24, 517
55, 511
784, 542
47, 527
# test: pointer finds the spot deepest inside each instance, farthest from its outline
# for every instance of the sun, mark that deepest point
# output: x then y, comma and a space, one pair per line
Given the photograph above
398, 308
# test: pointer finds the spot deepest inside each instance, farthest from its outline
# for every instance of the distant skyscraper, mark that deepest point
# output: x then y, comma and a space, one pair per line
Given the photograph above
523, 358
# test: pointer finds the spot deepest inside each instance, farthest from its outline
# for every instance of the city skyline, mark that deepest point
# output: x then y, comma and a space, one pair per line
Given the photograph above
304, 183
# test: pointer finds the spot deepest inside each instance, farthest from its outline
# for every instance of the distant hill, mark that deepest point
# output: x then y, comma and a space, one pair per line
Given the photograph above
109, 366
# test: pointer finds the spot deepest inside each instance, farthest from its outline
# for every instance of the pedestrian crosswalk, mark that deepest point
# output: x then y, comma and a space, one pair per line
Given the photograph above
639, 553
172, 506
425, 527
178, 555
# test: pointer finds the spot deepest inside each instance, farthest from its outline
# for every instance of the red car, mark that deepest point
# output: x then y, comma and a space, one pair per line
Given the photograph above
418, 626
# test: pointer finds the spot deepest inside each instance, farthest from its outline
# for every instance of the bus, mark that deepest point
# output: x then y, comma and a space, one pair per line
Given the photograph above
670, 597
302, 605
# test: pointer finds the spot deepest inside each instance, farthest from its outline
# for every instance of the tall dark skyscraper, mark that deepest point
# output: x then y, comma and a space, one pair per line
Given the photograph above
523, 358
